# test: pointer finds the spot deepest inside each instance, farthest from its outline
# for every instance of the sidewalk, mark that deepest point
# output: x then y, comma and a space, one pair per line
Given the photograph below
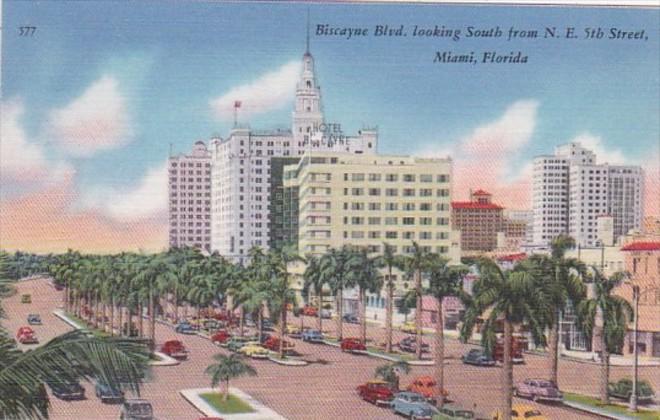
261, 412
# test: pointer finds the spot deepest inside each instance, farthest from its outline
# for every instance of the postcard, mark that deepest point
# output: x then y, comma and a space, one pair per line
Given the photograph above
320, 210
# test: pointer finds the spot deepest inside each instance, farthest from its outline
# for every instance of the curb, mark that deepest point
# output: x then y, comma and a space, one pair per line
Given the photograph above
593, 410
261, 411
388, 358
290, 362
165, 359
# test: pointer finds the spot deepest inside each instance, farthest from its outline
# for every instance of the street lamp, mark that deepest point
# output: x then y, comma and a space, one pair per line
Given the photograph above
633, 395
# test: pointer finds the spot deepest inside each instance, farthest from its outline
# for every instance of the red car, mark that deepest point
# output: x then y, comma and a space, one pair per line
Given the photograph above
376, 392
26, 335
220, 337
352, 344
175, 349
310, 311
428, 387
273, 344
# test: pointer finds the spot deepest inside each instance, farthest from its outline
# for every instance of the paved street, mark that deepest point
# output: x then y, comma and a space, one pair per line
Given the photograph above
325, 389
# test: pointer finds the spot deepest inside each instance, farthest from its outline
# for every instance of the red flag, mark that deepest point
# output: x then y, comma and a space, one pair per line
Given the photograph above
237, 104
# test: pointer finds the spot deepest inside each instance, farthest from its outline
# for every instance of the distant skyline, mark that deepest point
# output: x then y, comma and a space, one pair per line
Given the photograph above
92, 101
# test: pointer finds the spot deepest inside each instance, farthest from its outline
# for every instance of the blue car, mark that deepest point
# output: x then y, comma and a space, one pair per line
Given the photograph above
34, 319
478, 357
185, 328
312, 336
413, 406
108, 394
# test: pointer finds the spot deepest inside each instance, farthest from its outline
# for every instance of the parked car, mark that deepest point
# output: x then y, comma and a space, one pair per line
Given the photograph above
409, 344
451, 412
108, 394
135, 409
326, 314
34, 319
350, 319
376, 392
175, 349
537, 390
521, 412
412, 405
267, 325
478, 357
67, 390
273, 344
293, 331
221, 337
312, 336
59, 287
254, 350
310, 311
185, 328
211, 324
623, 389
409, 327
352, 345
235, 343
428, 388
26, 298
26, 335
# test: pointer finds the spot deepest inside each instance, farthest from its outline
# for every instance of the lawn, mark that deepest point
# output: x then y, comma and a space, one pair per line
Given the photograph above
613, 408
233, 405
82, 324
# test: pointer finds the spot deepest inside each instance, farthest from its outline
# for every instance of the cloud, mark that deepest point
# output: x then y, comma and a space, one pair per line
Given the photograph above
603, 154
96, 120
269, 92
147, 199
487, 158
24, 162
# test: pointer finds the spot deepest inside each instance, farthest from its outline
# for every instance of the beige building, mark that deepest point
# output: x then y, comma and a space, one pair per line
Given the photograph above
366, 200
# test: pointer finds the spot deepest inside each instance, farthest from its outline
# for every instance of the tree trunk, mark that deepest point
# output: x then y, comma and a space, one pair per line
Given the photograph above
104, 316
363, 317
96, 310
389, 313
418, 314
440, 354
339, 298
241, 321
226, 396
112, 316
152, 321
553, 344
140, 320
260, 323
282, 328
319, 322
121, 318
176, 304
507, 372
605, 368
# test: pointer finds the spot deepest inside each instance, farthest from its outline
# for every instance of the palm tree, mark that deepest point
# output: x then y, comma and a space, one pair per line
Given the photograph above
227, 368
444, 281
69, 357
390, 373
337, 266
390, 260
415, 265
368, 279
280, 291
613, 313
314, 278
514, 298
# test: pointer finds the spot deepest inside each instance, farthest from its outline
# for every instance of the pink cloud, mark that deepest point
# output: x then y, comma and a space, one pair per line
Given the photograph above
96, 120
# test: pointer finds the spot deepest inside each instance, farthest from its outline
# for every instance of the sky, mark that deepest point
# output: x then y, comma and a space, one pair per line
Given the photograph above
93, 100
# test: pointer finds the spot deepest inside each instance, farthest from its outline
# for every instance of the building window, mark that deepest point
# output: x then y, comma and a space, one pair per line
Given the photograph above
408, 220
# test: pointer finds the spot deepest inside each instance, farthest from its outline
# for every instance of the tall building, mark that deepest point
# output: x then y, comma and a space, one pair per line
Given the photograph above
283, 205
518, 226
367, 200
189, 189
241, 167
570, 192
479, 220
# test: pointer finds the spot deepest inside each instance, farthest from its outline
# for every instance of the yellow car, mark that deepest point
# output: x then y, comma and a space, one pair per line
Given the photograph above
255, 350
522, 412
291, 330
409, 327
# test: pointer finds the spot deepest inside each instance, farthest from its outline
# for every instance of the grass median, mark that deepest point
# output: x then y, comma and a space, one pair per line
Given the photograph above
233, 405
642, 413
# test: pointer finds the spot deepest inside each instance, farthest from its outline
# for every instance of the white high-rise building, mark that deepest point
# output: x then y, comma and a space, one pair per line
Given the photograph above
189, 187
240, 206
570, 192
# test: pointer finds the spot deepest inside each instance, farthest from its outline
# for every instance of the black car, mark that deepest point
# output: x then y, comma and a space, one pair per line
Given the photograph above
268, 325
136, 410
108, 394
67, 390
409, 344
351, 319
478, 357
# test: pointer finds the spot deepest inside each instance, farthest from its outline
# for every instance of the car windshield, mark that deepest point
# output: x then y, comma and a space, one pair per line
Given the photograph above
545, 384
143, 409
532, 413
415, 398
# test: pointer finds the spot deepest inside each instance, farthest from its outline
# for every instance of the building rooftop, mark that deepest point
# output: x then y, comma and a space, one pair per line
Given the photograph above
481, 192
473, 205
642, 246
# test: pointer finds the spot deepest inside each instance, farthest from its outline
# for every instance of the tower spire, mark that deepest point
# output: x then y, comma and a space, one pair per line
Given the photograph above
307, 39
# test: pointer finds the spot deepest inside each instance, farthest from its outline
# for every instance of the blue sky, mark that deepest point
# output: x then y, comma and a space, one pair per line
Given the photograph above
170, 59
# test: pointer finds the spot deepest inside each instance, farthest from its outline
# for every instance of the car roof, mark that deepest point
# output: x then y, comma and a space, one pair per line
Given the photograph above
409, 394
377, 382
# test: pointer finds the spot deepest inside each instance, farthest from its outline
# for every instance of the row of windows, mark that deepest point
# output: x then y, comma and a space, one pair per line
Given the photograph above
394, 177
440, 221
392, 206
394, 192
174, 164
357, 234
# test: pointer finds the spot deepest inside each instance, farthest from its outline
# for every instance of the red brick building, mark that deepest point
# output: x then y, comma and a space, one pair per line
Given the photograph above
479, 221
